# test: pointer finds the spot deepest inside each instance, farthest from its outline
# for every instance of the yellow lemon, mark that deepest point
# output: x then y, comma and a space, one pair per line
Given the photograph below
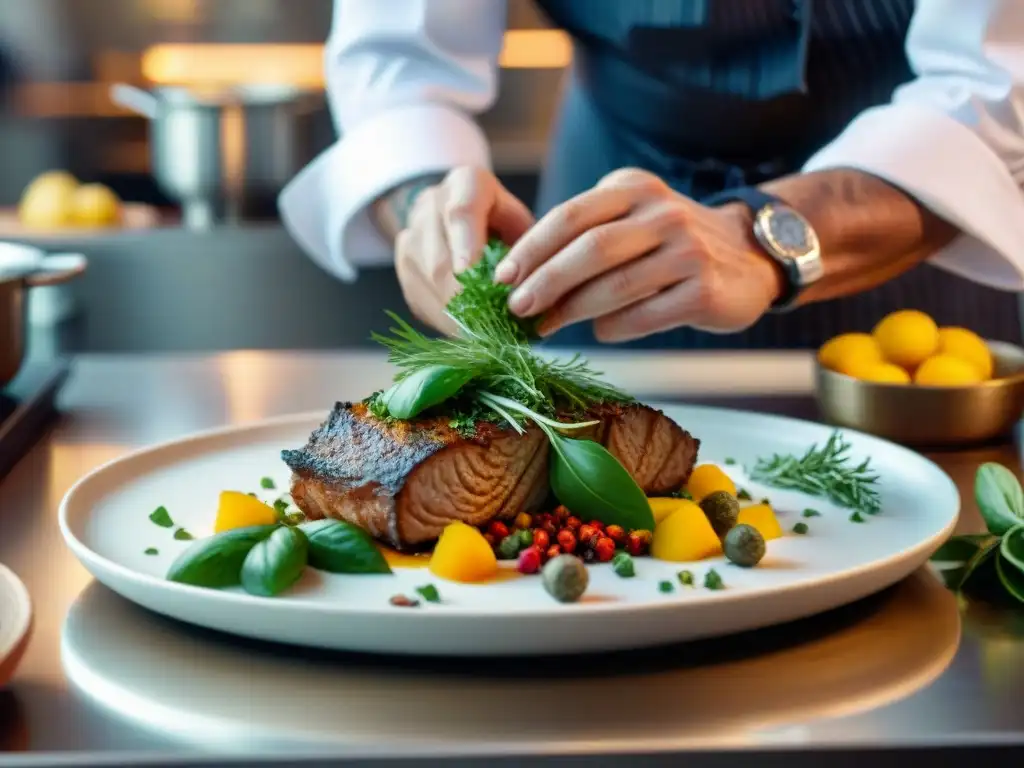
968, 346
907, 337
95, 205
946, 371
883, 373
707, 478
46, 203
845, 352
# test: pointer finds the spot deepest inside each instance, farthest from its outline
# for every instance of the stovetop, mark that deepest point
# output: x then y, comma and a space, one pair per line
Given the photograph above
27, 406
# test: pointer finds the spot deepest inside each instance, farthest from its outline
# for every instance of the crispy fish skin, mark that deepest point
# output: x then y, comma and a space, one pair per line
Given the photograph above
404, 481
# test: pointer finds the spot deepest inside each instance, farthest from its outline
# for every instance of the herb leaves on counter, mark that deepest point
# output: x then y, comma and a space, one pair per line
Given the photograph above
160, 516
978, 562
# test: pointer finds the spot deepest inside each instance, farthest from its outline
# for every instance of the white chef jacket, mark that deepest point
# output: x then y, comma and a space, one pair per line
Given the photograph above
405, 78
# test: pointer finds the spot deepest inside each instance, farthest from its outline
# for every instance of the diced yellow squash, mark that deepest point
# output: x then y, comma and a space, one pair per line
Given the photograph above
240, 510
685, 535
762, 517
663, 506
463, 554
708, 478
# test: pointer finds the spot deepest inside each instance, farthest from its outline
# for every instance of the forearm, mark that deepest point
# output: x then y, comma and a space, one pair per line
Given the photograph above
870, 231
390, 212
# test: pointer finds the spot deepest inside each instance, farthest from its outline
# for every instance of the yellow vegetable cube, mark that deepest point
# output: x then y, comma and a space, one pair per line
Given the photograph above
762, 517
463, 554
663, 506
685, 535
240, 510
708, 478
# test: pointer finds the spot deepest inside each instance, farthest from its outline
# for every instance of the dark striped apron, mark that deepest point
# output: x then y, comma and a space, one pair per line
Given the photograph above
712, 94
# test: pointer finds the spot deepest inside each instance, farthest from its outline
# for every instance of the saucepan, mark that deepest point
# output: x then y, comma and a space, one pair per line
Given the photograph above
226, 153
20, 271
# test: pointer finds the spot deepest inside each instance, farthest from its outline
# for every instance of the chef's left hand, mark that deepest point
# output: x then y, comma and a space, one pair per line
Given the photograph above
637, 258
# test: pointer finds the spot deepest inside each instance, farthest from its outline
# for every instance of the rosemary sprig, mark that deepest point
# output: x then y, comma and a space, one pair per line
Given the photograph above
824, 472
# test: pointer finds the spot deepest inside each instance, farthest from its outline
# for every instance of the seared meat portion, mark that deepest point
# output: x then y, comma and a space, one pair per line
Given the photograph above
405, 481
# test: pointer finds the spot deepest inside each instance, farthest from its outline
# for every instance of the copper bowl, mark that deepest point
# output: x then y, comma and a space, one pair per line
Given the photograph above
917, 415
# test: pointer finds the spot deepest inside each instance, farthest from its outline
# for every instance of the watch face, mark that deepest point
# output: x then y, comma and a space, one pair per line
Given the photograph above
790, 232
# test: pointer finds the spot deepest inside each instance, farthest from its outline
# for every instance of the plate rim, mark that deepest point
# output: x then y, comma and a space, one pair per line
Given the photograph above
22, 615
285, 605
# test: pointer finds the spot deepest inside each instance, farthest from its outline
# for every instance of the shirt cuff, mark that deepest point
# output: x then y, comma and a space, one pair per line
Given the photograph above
326, 207
950, 170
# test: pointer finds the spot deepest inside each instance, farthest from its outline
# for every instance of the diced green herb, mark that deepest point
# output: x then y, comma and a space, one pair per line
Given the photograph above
800, 528
712, 580
730, 461
276, 562
182, 535
623, 565
767, 501
685, 578
268, 483
811, 513
295, 518
429, 593
160, 516
152, 551
743, 495
856, 517
280, 505
250, 493
665, 586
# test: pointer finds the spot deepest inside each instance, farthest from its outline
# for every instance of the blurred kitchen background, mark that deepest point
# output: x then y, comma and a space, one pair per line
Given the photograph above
199, 260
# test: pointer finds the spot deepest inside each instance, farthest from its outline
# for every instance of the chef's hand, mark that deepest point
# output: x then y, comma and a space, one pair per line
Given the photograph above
446, 231
637, 258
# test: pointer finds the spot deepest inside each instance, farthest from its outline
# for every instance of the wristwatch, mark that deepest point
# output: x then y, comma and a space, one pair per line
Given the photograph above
785, 235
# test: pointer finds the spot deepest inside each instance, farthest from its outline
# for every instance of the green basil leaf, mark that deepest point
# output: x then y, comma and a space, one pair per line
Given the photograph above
960, 549
1012, 547
424, 388
341, 547
999, 496
953, 578
980, 565
592, 483
1011, 577
275, 563
217, 561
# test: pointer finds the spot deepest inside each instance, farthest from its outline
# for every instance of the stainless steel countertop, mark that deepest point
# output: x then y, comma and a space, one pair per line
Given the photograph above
105, 680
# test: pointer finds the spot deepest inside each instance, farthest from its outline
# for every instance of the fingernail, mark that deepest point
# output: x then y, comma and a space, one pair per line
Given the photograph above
520, 302
506, 272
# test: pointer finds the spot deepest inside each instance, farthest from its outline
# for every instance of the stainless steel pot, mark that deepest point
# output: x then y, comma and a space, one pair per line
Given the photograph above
16, 279
227, 154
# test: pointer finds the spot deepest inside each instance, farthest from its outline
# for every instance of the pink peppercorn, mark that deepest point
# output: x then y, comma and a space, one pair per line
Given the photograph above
529, 560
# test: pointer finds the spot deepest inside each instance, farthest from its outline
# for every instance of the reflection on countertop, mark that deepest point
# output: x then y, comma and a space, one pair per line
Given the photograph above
214, 692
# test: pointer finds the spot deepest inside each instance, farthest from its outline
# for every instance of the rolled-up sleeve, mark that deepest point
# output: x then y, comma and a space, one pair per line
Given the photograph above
953, 137
404, 81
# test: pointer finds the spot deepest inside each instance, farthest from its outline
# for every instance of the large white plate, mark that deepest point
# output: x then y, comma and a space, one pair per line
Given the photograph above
15, 622
105, 521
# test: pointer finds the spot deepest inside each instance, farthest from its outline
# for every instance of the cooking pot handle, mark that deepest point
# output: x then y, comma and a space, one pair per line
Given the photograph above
136, 99
57, 268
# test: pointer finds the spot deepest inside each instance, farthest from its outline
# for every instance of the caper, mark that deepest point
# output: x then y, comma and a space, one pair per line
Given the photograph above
744, 545
565, 578
722, 510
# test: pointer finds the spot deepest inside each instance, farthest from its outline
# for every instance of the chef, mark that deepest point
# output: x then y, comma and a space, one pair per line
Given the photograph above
721, 173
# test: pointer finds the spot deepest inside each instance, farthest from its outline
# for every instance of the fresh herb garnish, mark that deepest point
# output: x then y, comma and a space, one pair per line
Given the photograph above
766, 500
824, 472
856, 517
729, 461
339, 547
182, 535
276, 562
152, 551
999, 552
217, 561
743, 494
161, 517
800, 528
490, 373
268, 483
685, 578
623, 565
811, 513
712, 580
429, 593
665, 586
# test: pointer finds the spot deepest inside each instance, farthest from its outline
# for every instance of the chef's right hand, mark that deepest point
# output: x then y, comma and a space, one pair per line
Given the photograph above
446, 231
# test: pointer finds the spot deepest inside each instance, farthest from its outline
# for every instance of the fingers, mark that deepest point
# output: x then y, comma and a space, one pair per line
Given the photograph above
686, 303
620, 288
474, 201
593, 253
612, 198
423, 265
